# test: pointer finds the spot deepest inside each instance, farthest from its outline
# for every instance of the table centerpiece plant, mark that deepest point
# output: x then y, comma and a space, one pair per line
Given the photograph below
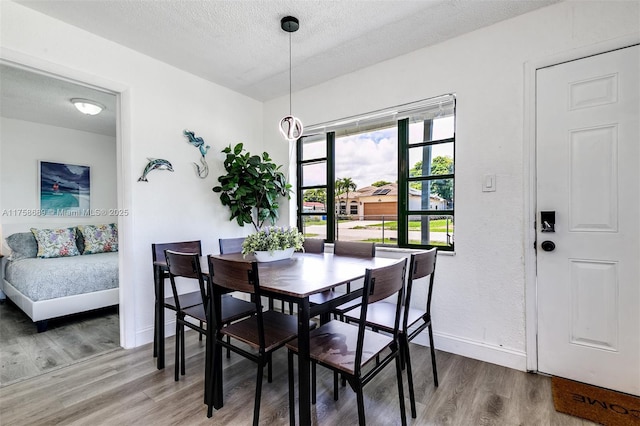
273, 243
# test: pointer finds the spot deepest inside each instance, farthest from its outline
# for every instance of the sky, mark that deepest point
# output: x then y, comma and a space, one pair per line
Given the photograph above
370, 157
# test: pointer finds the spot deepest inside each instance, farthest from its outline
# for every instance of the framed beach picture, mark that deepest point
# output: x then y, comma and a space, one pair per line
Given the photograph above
64, 189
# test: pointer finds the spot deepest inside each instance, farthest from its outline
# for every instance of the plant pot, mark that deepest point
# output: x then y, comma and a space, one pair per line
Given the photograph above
266, 256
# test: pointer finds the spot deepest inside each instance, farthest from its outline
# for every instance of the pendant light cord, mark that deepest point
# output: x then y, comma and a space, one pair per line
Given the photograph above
290, 109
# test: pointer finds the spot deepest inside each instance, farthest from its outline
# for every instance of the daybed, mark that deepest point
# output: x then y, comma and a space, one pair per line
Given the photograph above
76, 281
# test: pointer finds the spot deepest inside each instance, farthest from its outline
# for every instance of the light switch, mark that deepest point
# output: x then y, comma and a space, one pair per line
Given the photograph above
489, 183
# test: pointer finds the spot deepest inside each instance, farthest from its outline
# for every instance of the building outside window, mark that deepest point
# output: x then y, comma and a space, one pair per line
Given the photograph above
386, 176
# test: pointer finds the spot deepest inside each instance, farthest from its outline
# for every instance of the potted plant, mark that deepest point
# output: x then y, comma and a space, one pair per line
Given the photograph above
273, 243
252, 182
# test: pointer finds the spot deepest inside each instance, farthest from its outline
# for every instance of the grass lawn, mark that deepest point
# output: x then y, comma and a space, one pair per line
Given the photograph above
439, 225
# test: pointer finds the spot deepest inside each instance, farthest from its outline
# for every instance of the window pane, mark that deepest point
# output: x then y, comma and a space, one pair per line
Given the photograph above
431, 195
431, 230
431, 160
314, 226
314, 174
441, 128
314, 147
378, 229
314, 200
367, 158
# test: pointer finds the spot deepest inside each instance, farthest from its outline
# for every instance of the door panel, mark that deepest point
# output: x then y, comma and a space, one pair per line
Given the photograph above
588, 157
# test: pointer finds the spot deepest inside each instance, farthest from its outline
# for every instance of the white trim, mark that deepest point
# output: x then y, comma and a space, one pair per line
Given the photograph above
529, 164
124, 172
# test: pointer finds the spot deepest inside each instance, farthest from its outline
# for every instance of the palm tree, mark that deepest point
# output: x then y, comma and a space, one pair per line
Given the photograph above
345, 185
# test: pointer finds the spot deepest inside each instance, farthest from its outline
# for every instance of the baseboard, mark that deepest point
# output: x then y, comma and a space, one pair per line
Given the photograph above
444, 342
145, 335
477, 350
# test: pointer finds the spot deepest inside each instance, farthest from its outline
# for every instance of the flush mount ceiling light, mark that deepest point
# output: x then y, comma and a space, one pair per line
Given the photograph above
88, 107
290, 126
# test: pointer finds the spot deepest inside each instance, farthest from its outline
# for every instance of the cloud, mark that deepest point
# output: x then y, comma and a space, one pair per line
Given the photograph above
368, 157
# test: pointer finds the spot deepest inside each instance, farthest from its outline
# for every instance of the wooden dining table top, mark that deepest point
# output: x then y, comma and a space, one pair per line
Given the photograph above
309, 273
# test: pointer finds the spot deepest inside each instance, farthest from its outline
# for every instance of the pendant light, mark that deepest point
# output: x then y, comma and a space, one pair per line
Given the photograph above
290, 126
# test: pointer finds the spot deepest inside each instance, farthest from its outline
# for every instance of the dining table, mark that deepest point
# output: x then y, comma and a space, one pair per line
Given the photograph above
290, 280
294, 280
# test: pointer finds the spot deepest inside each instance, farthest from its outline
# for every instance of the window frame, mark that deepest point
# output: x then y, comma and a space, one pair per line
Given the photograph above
404, 180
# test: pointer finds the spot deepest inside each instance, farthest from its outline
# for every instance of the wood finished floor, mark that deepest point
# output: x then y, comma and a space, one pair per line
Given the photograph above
26, 353
123, 387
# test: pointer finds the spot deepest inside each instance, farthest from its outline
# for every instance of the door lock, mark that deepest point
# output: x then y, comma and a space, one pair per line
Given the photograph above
548, 221
548, 246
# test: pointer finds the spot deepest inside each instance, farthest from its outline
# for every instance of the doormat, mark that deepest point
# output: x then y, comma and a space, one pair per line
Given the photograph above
599, 405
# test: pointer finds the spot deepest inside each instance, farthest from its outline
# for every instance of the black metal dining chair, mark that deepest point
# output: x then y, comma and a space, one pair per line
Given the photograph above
187, 299
264, 332
380, 316
187, 267
353, 351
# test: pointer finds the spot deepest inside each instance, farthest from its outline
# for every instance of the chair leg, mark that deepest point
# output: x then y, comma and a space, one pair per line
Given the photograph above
313, 381
335, 385
182, 353
292, 399
177, 355
433, 357
155, 332
256, 407
228, 350
403, 348
403, 415
412, 395
269, 368
271, 303
200, 334
360, 399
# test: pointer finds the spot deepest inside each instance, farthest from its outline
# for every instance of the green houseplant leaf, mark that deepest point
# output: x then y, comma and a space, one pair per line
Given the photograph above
252, 183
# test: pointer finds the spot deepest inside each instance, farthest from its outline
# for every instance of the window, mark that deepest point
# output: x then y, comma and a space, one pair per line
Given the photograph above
386, 176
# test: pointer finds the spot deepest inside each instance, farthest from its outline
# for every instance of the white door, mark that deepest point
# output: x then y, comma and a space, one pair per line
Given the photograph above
588, 162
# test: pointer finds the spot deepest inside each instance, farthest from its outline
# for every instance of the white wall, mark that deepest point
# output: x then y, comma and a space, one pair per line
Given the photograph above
479, 298
158, 102
24, 143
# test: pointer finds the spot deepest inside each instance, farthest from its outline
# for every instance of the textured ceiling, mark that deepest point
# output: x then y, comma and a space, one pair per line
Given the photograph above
30, 96
239, 44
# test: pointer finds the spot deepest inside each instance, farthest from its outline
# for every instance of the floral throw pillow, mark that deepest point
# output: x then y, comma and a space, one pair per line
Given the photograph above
99, 238
56, 242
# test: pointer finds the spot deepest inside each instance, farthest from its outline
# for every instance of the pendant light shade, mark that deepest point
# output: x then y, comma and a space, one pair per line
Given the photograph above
290, 126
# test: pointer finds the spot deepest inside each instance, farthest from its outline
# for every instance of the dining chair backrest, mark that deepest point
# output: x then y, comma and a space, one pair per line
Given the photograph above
354, 249
313, 245
179, 246
185, 265
387, 281
422, 264
234, 275
380, 283
231, 245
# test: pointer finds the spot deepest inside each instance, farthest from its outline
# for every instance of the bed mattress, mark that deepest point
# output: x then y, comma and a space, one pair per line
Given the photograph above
43, 279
